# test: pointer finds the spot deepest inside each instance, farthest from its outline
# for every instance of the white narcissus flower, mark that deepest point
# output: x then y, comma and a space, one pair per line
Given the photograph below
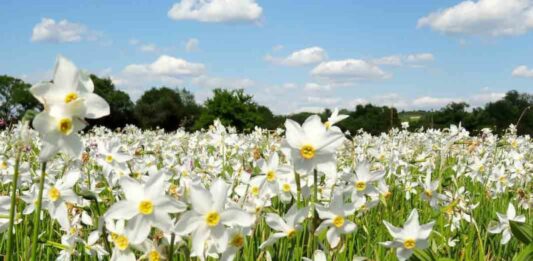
411, 236
270, 181
146, 205
209, 216
312, 145
121, 240
336, 219
60, 193
334, 118
503, 226
286, 226
430, 191
317, 256
67, 101
362, 180
5, 202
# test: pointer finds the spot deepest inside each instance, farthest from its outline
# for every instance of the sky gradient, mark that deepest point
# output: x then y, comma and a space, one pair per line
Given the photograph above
291, 55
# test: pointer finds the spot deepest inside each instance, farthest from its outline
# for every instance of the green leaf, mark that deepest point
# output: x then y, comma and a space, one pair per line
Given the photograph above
522, 231
525, 255
423, 255
445, 259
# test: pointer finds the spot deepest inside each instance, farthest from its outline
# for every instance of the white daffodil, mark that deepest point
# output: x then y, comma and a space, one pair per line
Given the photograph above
110, 155
121, 238
60, 193
362, 180
208, 217
271, 173
430, 193
235, 243
503, 225
67, 101
286, 226
336, 219
71, 88
334, 118
411, 236
146, 205
92, 248
312, 145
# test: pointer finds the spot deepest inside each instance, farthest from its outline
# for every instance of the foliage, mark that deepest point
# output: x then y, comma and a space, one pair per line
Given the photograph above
161, 107
15, 98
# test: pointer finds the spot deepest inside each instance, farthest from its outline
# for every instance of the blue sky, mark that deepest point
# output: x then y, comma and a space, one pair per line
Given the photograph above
291, 55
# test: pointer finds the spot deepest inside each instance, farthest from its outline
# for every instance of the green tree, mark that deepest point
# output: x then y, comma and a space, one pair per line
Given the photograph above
500, 114
15, 98
160, 107
121, 106
235, 108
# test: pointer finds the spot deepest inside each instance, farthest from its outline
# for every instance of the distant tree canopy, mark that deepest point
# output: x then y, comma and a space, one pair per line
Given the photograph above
171, 109
15, 98
235, 108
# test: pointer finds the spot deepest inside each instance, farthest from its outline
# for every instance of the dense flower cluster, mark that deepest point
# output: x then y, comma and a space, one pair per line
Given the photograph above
216, 193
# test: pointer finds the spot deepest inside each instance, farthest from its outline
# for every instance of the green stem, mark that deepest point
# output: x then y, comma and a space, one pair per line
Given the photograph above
171, 247
37, 214
104, 233
12, 208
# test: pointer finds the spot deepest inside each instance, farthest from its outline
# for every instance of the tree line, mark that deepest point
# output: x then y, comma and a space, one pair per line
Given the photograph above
173, 108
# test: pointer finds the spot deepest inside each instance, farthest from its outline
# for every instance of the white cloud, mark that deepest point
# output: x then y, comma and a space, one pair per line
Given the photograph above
48, 30
216, 10
167, 66
522, 71
226, 83
311, 109
398, 60
482, 98
484, 17
428, 101
311, 86
277, 47
350, 69
395, 60
419, 57
148, 48
329, 101
192, 45
305, 56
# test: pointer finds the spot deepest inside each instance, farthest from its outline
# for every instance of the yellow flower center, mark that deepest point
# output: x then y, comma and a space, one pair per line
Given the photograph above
212, 218
146, 207
71, 96
291, 232
409, 243
502, 179
114, 236
255, 190
184, 173
109, 158
3, 165
327, 124
271, 176
338, 221
64, 125
387, 194
54, 194
122, 242
360, 185
428, 193
307, 151
237, 240
154, 256
286, 187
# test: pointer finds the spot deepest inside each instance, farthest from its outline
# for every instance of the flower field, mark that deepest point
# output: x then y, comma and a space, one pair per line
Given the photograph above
307, 191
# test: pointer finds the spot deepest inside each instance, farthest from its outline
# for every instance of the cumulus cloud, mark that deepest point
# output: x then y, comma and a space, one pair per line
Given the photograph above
48, 30
482, 18
305, 56
311, 86
216, 10
350, 69
148, 48
192, 45
218, 82
522, 71
398, 60
329, 101
428, 101
166, 66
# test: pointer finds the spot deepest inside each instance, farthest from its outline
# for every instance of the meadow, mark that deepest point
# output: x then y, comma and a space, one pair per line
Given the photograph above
307, 191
